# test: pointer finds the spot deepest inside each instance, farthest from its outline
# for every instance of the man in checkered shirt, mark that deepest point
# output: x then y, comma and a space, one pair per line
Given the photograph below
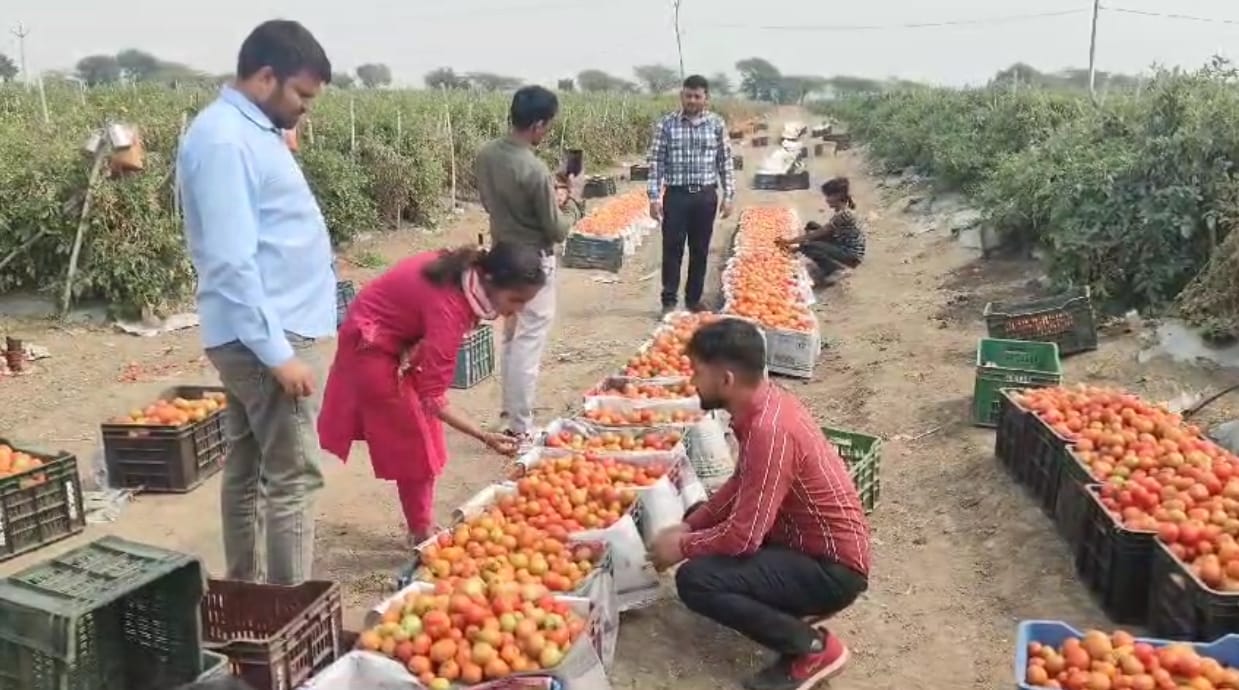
690, 173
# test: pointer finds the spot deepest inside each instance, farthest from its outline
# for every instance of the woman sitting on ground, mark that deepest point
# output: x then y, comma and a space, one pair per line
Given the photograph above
840, 244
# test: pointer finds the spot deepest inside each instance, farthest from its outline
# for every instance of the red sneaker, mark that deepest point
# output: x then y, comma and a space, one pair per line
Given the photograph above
813, 668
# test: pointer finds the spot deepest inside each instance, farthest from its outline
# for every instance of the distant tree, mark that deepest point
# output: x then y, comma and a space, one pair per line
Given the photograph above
445, 78
98, 69
657, 78
844, 85
759, 79
595, 80
374, 75
567, 85
342, 80
486, 81
137, 65
720, 84
794, 88
8, 68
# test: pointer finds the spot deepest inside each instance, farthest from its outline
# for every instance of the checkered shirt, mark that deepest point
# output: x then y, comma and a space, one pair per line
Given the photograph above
691, 151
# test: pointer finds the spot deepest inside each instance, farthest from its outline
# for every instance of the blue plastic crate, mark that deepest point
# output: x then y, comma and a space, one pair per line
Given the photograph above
1224, 649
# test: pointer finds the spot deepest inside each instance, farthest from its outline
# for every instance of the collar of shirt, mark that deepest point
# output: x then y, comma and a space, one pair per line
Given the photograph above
743, 421
694, 120
516, 141
248, 108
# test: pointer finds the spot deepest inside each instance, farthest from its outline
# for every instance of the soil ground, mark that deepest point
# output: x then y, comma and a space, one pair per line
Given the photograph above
961, 553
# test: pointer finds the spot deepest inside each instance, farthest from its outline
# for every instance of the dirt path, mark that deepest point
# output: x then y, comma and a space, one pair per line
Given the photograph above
961, 554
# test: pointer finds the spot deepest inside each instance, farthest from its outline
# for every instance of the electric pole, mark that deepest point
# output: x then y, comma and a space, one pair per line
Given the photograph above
679, 45
1092, 53
21, 32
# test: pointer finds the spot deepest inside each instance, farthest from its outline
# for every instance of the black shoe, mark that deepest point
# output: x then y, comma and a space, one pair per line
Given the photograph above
667, 309
697, 308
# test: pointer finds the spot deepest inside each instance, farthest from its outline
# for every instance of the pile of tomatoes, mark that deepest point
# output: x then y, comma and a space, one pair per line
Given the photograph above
643, 390
1158, 474
469, 632
762, 279
610, 442
615, 215
497, 549
1098, 661
575, 493
643, 417
14, 462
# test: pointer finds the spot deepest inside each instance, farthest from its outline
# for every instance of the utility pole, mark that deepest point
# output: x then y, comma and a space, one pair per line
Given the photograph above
679, 45
1092, 53
21, 32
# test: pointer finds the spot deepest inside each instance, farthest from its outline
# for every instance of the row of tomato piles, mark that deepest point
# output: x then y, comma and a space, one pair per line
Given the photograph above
616, 215
764, 282
488, 605
1157, 474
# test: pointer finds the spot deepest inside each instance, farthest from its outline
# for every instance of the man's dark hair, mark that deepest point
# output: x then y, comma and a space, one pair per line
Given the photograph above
285, 46
531, 105
734, 343
696, 81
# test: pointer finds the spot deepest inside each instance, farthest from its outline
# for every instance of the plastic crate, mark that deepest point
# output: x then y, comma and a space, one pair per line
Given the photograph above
1008, 364
761, 126
862, 454
166, 459
737, 162
41, 505
639, 172
275, 637
1041, 463
1114, 562
597, 187
1066, 320
1071, 504
346, 292
1009, 440
1224, 649
760, 141
1181, 607
781, 182
599, 253
112, 614
214, 667
475, 361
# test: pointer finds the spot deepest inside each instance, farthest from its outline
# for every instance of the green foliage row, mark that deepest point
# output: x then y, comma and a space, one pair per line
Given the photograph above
1131, 196
373, 158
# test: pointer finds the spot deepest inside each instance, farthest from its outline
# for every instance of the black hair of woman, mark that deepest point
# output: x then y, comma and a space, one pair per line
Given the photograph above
505, 266
838, 188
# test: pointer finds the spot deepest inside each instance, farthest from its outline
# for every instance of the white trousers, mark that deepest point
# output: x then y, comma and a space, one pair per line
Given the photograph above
524, 339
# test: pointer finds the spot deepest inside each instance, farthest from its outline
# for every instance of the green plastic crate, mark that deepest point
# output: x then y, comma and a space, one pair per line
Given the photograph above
112, 614
475, 361
1011, 364
862, 454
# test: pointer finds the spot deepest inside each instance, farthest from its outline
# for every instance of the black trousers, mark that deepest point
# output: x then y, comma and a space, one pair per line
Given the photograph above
688, 218
765, 596
829, 256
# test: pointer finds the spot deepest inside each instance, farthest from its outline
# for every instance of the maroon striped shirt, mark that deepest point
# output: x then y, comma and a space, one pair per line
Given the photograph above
790, 488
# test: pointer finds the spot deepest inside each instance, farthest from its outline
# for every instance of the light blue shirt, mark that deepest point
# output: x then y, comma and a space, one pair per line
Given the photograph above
256, 235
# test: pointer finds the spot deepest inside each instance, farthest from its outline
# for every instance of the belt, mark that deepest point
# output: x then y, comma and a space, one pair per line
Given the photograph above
692, 188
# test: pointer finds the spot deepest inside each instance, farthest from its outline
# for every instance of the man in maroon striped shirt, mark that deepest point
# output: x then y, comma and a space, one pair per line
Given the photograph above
784, 543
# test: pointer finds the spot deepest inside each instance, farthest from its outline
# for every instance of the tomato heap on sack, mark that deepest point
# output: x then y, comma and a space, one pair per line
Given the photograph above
614, 442
645, 417
763, 279
1157, 473
469, 632
645, 390
498, 550
572, 494
1098, 661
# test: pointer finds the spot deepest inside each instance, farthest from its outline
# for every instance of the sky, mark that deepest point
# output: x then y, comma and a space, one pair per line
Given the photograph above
541, 40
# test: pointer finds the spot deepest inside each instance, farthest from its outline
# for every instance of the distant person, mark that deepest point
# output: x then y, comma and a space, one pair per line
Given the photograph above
266, 292
690, 173
784, 543
840, 244
527, 206
419, 311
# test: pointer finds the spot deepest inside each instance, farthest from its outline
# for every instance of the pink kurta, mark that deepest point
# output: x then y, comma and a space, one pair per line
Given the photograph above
367, 398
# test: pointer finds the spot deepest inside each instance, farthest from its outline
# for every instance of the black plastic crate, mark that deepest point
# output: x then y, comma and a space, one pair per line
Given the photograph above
112, 614
639, 172
597, 187
166, 459
345, 293
735, 134
781, 182
761, 126
1114, 562
1071, 505
1181, 607
475, 362
737, 162
1012, 425
1042, 462
1066, 320
40, 505
819, 149
760, 141
597, 253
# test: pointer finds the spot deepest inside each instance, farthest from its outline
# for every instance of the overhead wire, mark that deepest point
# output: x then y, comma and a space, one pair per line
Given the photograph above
978, 21
1168, 15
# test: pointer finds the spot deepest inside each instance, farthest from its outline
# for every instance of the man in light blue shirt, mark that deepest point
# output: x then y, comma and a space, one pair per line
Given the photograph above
266, 292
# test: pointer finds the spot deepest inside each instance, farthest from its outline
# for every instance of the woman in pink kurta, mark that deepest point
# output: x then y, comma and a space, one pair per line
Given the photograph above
421, 309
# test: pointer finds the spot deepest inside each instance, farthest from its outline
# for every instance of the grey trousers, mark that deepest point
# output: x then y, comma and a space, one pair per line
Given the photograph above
272, 469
